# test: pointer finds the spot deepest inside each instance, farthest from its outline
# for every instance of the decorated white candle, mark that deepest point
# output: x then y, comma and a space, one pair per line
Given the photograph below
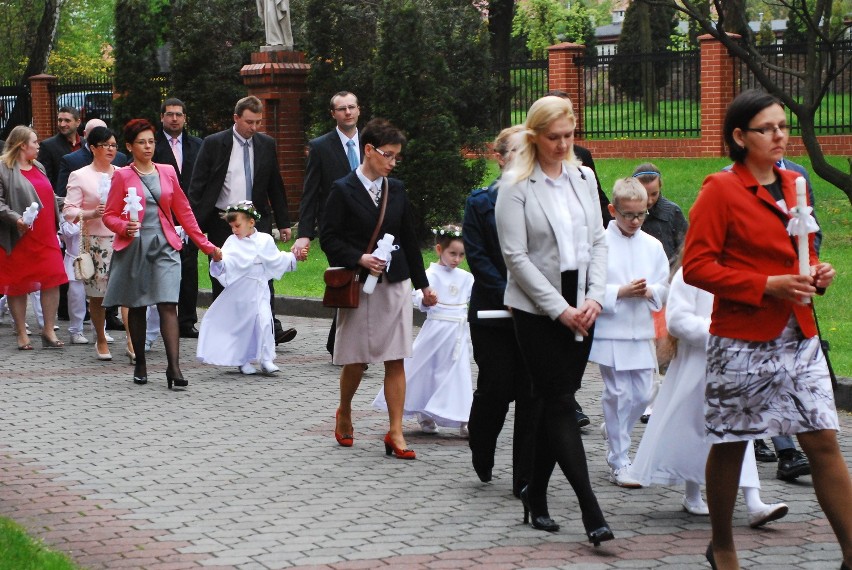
103, 187
30, 214
132, 205
802, 213
494, 314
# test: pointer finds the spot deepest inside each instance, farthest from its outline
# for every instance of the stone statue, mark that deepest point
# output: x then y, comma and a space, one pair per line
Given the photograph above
275, 15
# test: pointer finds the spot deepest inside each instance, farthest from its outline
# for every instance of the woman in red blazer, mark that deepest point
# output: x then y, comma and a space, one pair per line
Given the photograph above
766, 373
145, 267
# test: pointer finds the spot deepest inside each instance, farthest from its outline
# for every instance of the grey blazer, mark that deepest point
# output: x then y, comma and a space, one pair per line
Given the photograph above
16, 194
525, 213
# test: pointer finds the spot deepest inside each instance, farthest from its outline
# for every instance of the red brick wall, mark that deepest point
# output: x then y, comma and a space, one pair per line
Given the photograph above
44, 105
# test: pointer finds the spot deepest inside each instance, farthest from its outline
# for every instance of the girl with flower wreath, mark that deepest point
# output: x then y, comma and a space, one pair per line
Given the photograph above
438, 386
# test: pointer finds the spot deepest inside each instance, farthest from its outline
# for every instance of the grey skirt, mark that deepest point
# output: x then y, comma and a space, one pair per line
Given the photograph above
380, 329
764, 389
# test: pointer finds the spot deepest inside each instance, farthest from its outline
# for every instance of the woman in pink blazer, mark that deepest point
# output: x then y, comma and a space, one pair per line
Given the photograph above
145, 267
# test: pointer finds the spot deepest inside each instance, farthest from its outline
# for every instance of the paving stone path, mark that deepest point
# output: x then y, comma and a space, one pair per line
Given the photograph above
243, 472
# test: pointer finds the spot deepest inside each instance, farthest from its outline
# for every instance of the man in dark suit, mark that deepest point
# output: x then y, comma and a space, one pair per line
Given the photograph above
65, 141
80, 158
330, 156
240, 164
177, 147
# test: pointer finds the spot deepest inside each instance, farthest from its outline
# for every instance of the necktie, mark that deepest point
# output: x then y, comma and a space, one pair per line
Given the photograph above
375, 194
178, 152
350, 154
247, 167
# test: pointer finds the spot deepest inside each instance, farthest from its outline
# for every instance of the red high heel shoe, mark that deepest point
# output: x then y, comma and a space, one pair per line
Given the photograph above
344, 439
400, 453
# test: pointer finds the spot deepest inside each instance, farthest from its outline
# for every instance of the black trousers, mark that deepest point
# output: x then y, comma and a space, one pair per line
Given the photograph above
502, 378
188, 299
217, 232
556, 363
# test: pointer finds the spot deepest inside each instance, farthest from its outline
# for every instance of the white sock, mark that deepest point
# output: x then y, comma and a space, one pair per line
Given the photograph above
751, 495
692, 492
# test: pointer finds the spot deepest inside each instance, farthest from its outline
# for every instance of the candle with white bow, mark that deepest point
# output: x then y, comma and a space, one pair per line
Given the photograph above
103, 187
801, 224
132, 205
30, 214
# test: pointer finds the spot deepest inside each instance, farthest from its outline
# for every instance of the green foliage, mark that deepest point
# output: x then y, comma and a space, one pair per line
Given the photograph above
84, 39
18, 22
136, 30
20, 552
765, 36
211, 41
547, 22
643, 33
430, 96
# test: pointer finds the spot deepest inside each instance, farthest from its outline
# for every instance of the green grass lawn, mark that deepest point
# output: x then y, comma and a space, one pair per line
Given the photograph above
20, 552
681, 181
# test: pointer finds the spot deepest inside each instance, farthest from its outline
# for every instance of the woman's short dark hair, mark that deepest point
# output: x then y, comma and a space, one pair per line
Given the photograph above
99, 135
136, 126
740, 113
379, 132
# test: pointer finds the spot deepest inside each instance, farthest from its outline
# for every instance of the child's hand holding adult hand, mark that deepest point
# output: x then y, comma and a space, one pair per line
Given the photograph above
430, 298
217, 254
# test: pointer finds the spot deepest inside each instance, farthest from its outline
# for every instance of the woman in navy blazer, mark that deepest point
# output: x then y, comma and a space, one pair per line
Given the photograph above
380, 329
146, 269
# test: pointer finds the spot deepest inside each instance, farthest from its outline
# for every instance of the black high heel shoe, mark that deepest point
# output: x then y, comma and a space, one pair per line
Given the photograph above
540, 521
177, 382
600, 535
140, 379
711, 559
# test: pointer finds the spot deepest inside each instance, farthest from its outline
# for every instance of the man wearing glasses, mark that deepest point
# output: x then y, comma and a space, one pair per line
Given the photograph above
330, 156
82, 157
177, 147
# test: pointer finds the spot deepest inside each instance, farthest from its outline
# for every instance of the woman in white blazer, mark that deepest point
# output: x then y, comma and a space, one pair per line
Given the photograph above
552, 239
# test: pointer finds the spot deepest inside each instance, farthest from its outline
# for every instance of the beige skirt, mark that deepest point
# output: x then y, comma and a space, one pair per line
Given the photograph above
101, 249
380, 329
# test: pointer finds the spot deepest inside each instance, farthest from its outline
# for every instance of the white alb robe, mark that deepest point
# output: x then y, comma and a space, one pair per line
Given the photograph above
237, 327
438, 375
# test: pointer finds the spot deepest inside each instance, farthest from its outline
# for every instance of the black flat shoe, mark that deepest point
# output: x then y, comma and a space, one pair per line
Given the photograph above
600, 535
483, 469
177, 382
709, 556
540, 521
140, 380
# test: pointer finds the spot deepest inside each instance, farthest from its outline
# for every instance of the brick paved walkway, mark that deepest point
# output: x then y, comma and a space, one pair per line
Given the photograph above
243, 472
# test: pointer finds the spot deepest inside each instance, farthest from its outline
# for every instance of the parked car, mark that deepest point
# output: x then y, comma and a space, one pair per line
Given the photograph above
92, 105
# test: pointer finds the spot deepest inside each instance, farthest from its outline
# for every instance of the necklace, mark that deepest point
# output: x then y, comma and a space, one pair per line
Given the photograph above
152, 171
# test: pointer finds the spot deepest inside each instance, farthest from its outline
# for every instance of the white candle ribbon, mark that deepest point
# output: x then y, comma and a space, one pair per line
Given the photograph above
30, 214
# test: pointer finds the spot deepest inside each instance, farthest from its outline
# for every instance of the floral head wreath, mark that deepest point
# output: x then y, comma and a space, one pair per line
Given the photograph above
447, 231
246, 207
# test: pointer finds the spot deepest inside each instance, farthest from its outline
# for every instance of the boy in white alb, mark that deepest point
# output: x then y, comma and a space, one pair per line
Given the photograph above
237, 328
637, 284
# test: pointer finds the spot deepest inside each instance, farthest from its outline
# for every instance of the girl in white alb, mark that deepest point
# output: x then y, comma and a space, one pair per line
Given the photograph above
237, 329
438, 386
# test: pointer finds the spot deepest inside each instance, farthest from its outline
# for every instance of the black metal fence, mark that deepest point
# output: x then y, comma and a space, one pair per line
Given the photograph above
15, 107
834, 115
91, 96
642, 95
520, 83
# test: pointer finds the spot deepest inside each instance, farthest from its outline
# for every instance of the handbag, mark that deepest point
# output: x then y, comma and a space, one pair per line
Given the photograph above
84, 265
342, 285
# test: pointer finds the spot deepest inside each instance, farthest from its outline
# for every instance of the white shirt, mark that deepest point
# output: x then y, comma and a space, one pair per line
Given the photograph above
368, 184
344, 139
234, 187
566, 203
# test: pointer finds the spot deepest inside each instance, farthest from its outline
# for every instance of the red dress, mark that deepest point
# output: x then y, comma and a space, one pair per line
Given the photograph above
36, 261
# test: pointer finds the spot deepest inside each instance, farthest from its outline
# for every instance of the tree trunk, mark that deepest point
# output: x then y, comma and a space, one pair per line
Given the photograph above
45, 34
646, 47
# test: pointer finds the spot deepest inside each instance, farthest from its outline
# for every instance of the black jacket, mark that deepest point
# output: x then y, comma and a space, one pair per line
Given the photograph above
163, 155
77, 160
50, 153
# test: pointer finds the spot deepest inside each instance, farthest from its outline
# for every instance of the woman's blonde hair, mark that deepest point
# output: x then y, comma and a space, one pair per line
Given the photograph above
541, 115
19, 136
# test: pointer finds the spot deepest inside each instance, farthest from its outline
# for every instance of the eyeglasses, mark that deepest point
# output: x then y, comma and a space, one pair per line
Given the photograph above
111, 146
630, 216
171, 115
343, 109
391, 157
769, 129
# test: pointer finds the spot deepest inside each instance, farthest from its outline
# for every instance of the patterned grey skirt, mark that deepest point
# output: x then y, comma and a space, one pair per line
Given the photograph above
763, 389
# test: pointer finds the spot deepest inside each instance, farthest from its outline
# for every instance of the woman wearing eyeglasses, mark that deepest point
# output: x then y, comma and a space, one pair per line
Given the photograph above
766, 373
381, 328
84, 202
552, 239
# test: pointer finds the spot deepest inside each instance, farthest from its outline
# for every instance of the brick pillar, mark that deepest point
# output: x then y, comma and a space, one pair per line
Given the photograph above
565, 75
717, 92
278, 78
43, 105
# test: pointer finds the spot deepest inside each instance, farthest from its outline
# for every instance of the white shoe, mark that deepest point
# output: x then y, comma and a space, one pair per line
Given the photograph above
427, 424
603, 432
149, 344
108, 338
78, 338
622, 478
247, 368
698, 508
463, 432
268, 367
768, 514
